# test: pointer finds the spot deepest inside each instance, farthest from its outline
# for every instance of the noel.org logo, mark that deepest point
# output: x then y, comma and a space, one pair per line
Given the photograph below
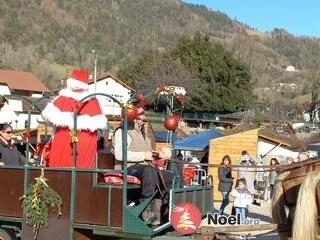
185, 218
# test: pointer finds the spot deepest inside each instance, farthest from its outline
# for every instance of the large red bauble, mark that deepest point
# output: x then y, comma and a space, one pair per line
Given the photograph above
171, 123
132, 113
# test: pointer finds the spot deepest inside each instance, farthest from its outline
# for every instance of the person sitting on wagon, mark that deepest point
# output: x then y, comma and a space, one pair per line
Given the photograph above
9, 154
140, 158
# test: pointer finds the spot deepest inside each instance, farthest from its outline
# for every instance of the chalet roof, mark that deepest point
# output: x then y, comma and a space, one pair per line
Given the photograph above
268, 136
274, 140
110, 75
26, 81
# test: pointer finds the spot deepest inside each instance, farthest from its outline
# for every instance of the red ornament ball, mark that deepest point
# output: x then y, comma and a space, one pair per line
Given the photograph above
179, 98
171, 122
132, 113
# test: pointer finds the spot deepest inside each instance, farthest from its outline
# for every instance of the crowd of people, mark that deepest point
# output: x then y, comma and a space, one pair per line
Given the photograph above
249, 181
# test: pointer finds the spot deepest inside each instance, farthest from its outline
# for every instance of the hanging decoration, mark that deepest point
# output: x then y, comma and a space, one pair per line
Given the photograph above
132, 111
179, 98
159, 90
37, 202
171, 91
73, 135
26, 136
141, 100
171, 122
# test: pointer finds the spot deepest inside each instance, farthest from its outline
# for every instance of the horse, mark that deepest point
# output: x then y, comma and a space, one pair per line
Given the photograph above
296, 200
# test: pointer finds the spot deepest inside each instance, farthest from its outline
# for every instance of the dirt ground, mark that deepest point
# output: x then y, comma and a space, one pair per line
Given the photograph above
262, 212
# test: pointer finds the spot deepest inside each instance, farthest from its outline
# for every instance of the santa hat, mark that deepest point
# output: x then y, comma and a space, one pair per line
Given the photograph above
78, 79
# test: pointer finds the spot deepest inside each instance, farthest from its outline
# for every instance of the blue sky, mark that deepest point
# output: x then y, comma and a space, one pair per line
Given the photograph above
298, 17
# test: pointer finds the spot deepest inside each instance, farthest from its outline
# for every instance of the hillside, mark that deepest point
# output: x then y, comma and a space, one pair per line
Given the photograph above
39, 35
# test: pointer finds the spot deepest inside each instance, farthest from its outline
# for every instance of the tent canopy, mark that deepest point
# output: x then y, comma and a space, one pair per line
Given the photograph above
314, 147
162, 136
197, 142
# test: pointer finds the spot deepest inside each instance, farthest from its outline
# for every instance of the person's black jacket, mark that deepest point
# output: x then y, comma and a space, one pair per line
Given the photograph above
225, 177
10, 155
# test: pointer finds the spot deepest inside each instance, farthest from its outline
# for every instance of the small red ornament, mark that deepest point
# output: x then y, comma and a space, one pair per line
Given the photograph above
162, 89
171, 122
132, 113
26, 136
179, 98
141, 100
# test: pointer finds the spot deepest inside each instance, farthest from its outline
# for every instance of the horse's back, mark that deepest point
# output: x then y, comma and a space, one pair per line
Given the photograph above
293, 181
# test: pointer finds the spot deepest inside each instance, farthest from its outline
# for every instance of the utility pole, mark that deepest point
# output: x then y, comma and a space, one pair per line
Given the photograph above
95, 69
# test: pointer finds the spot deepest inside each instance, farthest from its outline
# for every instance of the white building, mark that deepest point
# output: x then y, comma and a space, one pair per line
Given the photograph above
111, 85
16, 85
290, 68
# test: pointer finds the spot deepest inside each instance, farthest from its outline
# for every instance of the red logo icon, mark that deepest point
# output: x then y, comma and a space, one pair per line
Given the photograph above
185, 218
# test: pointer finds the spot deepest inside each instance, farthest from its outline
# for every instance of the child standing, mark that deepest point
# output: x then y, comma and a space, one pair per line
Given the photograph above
242, 198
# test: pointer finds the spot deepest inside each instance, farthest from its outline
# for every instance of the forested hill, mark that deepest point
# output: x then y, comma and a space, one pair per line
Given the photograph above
49, 36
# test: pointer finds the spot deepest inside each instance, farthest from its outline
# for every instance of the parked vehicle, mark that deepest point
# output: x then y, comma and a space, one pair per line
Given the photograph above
191, 159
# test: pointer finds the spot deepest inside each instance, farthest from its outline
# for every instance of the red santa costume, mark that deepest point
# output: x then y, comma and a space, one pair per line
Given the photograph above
89, 118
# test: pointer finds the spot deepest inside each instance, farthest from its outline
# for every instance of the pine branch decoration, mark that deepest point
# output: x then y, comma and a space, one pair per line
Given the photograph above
37, 202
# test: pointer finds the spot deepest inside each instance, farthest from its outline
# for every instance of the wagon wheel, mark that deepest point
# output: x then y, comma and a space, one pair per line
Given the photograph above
7, 234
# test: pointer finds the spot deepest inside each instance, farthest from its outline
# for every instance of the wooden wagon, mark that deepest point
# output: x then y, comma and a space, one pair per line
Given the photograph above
91, 208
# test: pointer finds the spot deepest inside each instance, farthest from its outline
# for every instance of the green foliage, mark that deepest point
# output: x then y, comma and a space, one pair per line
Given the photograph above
37, 202
214, 80
65, 32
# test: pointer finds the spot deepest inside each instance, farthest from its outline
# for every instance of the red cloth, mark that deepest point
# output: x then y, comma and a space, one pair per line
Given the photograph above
67, 104
117, 179
61, 149
159, 164
188, 174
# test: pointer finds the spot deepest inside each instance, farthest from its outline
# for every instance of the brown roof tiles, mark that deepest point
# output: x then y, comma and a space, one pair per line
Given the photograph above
26, 81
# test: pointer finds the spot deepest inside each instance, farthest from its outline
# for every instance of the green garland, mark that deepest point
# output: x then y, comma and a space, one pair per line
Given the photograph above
39, 198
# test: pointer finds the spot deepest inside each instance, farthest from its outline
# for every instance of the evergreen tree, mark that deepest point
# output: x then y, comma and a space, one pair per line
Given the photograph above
214, 80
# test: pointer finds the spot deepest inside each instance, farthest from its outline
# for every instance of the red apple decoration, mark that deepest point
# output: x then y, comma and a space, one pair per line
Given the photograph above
132, 113
171, 122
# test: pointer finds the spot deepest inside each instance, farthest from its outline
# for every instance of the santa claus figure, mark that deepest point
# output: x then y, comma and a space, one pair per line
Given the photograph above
59, 112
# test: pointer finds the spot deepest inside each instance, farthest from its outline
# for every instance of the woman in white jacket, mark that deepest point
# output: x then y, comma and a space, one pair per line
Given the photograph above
242, 199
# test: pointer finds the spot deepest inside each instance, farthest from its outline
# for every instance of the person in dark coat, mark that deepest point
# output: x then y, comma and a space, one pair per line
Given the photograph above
205, 159
225, 183
9, 154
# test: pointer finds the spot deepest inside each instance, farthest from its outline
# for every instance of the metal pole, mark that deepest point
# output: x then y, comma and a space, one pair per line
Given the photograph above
73, 177
125, 160
95, 73
26, 168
